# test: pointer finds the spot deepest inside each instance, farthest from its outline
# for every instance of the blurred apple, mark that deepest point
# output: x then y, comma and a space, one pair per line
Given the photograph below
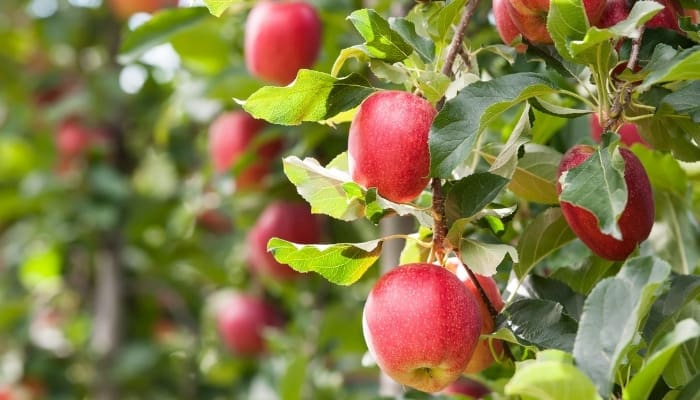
123, 9
530, 17
467, 387
290, 221
241, 321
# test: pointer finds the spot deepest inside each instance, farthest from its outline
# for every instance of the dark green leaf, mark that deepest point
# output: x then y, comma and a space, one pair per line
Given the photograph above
669, 65
542, 323
686, 101
548, 232
469, 195
381, 41
313, 96
422, 46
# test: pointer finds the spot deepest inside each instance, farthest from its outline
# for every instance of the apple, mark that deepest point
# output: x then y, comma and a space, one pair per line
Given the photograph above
483, 355
281, 38
72, 139
388, 144
241, 320
668, 17
215, 221
614, 11
421, 325
636, 220
628, 132
286, 220
504, 23
530, 17
123, 9
231, 136
467, 387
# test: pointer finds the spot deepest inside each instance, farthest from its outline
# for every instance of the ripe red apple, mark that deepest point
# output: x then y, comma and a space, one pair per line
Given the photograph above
290, 221
614, 12
123, 9
467, 387
628, 132
231, 136
483, 355
636, 220
241, 320
388, 144
668, 17
530, 17
504, 23
72, 139
421, 325
281, 38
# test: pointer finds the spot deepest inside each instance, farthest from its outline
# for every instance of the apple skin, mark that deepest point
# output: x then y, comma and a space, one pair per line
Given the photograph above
668, 17
231, 135
281, 38
636, 220
483, 356
241, 320
388, 144
467, 387
290, 221
614, 12
504, 23
530, 17
421, 325
72, 139
123, 9
628, 132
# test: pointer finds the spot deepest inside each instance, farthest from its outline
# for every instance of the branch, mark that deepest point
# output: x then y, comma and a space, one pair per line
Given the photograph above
458, 37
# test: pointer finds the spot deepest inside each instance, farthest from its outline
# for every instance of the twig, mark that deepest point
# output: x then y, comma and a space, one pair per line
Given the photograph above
458, 37
634, 54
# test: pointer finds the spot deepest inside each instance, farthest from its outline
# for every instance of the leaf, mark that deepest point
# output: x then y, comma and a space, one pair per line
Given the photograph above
683, 290
217, 7
683, 365
422, 46
535, 177
507, 160
686, 101
598, 185
381, 41
341, 263
566, 22
484, 258
464, 117
442, 21
669, 65
612, 315
546, 233
541, 323
663, 169
313, 96
643, 381
471, 194
584, 276
329, 190
551, 376
677, 238
539, 287
158, 30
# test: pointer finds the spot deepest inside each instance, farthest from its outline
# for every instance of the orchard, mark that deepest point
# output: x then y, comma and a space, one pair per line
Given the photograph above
320, 199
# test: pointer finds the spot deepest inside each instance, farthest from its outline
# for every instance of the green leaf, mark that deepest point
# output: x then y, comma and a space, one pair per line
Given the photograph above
550, 377
683, 290
583, 276
643, 382
422, 46
341, 263
669, 65
691, 391
41, 269
686, 101
313, 96
541, 323
463, 118
158, 30
683, 365
677, 238
329, 190
548, 232
669, 131
471, 194
381, 41
483, 258
217, 7
612, 315
536, 175
663, 169
598, 185
566, 22
292, 381
507, 160
442, 21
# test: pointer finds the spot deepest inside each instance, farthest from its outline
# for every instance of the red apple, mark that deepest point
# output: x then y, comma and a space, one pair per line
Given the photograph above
281, 38
483, 355
636, 220
467, 387
72, 139
504, 23
123, 9
614, 11
668, 17
215, 221
234, 134
530, 17
421, 325
388, 144
241, 320
290, 221
628, 132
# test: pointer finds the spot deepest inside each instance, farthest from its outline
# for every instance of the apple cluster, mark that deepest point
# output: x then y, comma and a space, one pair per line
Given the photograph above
422, 324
